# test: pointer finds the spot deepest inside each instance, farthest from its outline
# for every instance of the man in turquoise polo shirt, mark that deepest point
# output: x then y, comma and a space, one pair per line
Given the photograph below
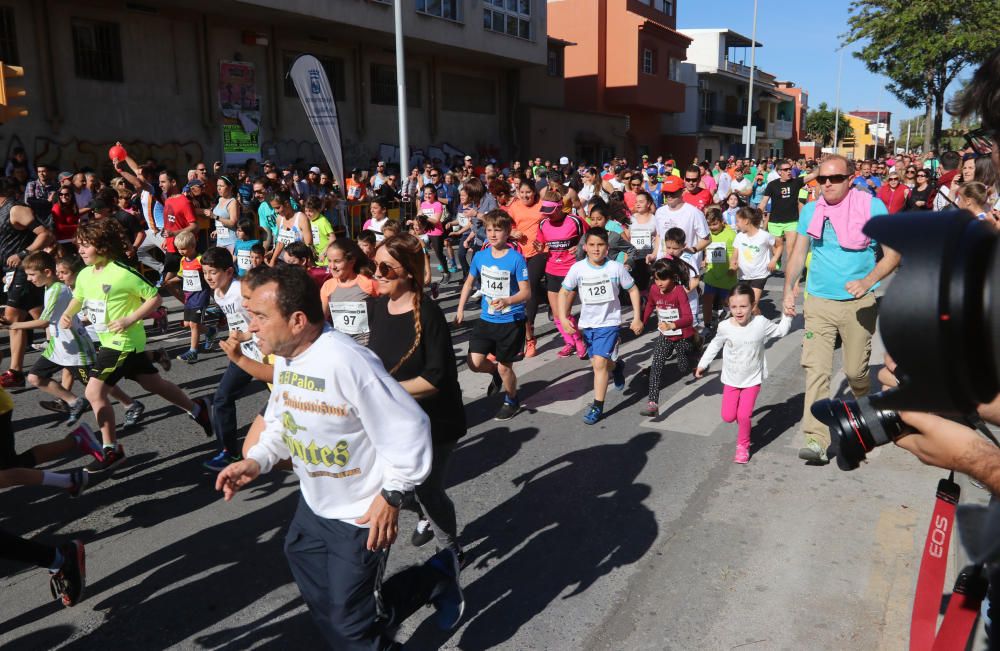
840, 300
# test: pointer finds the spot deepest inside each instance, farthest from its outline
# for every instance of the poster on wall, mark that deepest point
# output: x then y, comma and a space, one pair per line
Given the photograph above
240, 108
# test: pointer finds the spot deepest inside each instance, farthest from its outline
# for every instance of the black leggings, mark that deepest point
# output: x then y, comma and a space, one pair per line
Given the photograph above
536, 277
16, 548
9, 458
437, 245
660, 354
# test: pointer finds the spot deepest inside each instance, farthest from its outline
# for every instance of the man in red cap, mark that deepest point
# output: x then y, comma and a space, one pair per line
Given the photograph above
670, 170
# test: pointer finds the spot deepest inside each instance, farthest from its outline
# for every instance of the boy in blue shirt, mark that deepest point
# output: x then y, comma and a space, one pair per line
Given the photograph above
498, 335
245, 240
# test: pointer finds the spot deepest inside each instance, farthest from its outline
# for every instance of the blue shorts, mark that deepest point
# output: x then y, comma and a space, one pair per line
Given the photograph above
601, 342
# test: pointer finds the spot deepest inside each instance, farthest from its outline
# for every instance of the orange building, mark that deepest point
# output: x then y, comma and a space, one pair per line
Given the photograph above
797, 145
625, 59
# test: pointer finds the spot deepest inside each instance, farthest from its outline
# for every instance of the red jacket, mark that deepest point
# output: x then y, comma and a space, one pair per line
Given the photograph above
894, 200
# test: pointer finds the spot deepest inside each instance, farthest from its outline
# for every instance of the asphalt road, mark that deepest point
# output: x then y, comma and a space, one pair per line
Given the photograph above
635, 533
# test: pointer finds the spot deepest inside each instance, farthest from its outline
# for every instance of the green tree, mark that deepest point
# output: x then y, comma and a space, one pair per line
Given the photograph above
922, 46
819, 125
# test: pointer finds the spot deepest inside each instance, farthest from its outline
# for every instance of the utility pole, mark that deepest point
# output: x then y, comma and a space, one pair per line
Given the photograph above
404, 145
907, 145
836, 116
750, 135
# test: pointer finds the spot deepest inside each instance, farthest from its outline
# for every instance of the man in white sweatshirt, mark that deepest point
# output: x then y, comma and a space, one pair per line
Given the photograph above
359, 444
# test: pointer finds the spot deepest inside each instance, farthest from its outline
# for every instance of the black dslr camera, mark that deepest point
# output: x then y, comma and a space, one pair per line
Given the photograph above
940, 321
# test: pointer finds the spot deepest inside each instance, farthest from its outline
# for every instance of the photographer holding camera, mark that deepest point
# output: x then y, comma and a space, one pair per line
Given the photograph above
942, 442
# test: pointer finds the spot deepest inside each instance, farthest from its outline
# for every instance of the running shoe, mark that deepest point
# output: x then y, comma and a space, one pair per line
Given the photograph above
581, 349
423, 534
134, 414
110, 459
190, 356
80, 480
76, 411
86, 441
530, 347
477, 294
58, 405
440, 268
567, 350
651, 409
452, 267
447, 596
203, 418
163, 359
813, 453
445, 278
742, 454
219, 462
39, 347
67, 584
507, 410
594, 414
11, 379
618, 375
495, 384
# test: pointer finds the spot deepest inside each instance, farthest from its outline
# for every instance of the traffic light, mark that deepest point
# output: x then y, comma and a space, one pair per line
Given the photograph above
8, 93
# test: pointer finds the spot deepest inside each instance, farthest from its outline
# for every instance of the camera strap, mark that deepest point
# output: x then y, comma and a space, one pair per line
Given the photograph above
930, 580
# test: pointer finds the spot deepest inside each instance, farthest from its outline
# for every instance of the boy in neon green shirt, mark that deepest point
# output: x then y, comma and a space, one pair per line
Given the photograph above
321, 228
718, 278
117, 299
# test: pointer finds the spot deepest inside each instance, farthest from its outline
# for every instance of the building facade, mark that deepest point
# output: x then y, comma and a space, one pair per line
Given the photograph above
717, 77
186, 81
860, 141
624, 59
798, 145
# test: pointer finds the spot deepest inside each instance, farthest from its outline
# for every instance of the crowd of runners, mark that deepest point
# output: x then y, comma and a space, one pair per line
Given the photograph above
331, 296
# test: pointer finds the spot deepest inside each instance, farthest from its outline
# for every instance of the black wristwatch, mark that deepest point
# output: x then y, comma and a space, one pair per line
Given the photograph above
394, 498
23, 254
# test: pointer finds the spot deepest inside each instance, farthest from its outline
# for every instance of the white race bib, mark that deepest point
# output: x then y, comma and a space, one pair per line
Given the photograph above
222, 233
596, 290
192, 280
8, 278
642, 239
668, 314
349, 317
97, 314
495, 282
315, 231
243, 259
717, 253
286, 236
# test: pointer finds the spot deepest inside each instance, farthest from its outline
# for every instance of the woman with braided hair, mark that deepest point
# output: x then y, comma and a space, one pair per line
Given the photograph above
409, 333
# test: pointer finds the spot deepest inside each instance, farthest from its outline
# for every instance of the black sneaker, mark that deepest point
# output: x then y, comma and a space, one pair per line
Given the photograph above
113, 457
423, 534
76, 411
57, 405
134, 414
80, 480
203, 418
507, 410
495, 384
67, 584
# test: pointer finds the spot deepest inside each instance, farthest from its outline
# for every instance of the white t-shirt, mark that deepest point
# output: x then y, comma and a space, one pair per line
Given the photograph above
738, 186
753, 254
231, 304
327, 412
598, 289
743, 361
723, 188
687, 218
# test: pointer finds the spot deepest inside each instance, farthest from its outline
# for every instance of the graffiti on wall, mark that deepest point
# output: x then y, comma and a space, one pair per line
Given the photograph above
75, 154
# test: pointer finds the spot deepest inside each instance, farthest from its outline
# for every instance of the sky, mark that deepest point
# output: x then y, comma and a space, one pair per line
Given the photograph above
799, 42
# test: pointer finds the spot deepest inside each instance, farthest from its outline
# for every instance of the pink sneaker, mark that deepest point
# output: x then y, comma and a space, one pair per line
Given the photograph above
566, 351
742, 454
581, 349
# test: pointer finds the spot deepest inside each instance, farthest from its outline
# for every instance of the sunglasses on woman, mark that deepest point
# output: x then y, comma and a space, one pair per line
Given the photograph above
387, 271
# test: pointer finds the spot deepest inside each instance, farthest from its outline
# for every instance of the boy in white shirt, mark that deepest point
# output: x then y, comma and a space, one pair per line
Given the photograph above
599, 281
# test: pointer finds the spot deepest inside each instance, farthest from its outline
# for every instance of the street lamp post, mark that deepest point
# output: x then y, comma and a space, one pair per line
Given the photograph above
753, 51
404, 145
836, 116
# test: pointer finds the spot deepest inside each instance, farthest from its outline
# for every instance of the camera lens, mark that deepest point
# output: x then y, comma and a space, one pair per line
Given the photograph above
856, 428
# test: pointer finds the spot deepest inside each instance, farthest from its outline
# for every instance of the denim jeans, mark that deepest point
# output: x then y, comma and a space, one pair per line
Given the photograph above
232, 385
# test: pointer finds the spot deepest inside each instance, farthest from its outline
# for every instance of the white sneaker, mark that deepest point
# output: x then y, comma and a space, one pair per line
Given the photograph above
477, 294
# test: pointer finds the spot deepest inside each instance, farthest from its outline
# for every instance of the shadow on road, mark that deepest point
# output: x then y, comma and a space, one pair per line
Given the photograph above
576, 519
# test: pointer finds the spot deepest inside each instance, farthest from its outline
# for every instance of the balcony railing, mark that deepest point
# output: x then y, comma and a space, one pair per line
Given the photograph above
730, 120
780, 129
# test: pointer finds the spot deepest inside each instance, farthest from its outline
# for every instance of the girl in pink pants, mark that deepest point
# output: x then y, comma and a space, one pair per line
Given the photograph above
742, 338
